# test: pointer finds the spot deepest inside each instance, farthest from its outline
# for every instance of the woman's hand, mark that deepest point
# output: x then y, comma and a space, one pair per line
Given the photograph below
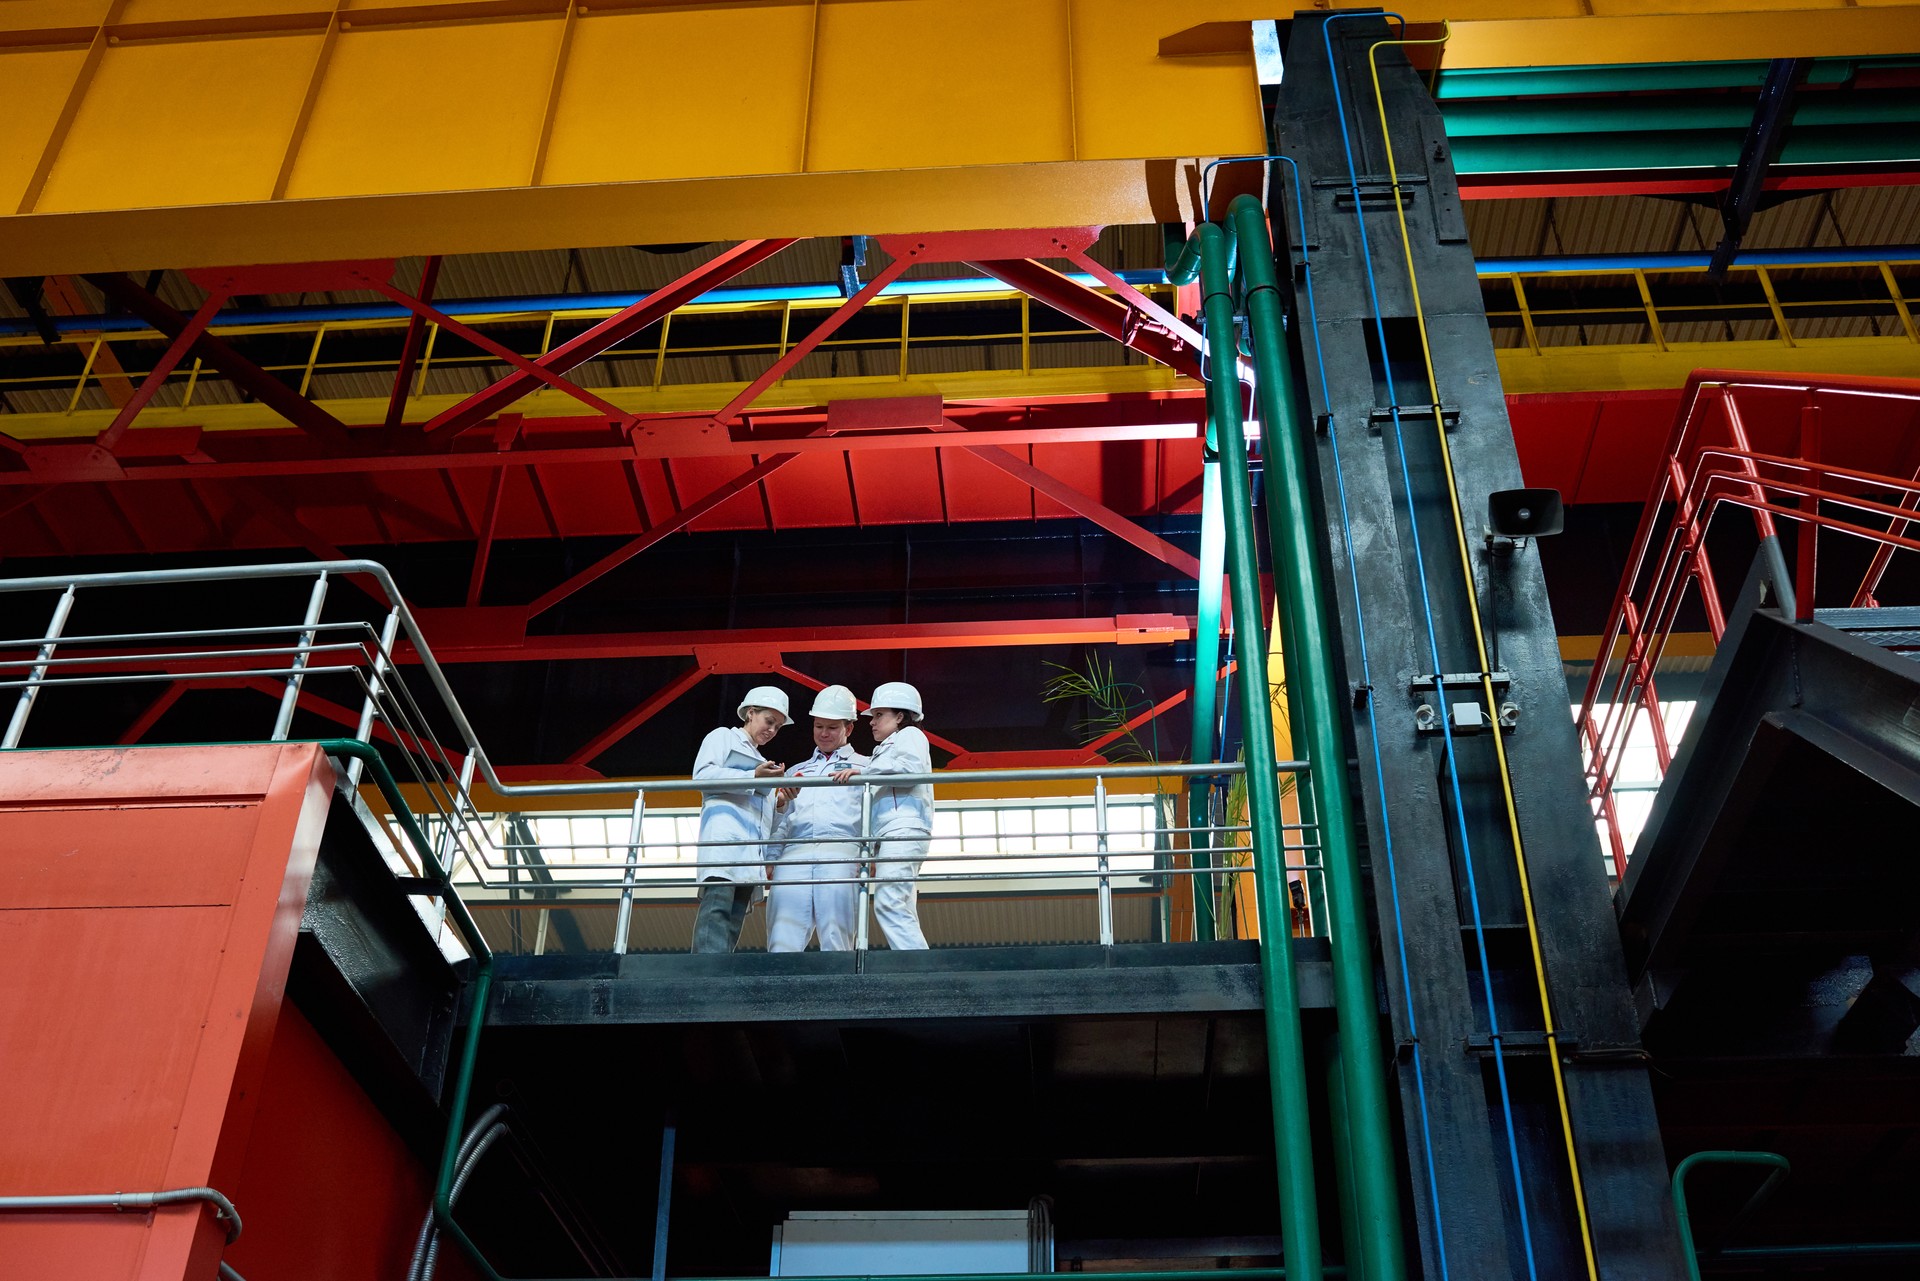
784, 796
842, 775
769, 769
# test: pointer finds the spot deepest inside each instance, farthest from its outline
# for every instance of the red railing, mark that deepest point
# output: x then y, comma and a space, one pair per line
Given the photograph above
1820, 453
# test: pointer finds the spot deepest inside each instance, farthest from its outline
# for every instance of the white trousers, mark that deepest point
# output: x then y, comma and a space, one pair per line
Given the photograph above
799, 906
896, 895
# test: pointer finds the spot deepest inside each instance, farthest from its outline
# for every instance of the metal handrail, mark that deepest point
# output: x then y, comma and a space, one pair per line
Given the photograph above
446, 776
1702, 475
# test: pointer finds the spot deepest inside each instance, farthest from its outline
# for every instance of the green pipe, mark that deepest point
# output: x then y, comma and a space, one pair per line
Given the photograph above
1657, 115
1342, 1129
1315, 711
1677, 149
1206, 682
1286, 1053
1778, 1170
1518, 82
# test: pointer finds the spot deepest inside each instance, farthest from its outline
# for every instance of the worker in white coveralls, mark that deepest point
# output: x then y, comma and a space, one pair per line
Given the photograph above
816, 838
732, 872
902, 816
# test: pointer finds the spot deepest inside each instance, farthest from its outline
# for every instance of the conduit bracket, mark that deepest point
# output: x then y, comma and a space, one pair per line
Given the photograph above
1377, 420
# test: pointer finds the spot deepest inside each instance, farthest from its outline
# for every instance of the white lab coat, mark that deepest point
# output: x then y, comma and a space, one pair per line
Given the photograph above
904, 814
732, 816
818, 825
902, 809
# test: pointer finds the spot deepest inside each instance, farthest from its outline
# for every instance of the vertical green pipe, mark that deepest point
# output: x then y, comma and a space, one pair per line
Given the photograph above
1206, 681
1306, 639
1286, 1054
1339, 1124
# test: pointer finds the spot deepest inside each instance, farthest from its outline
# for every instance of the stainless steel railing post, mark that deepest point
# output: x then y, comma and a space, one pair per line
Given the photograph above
868, 851
443, 851
388, 631
289, 699
634, 840
18, 724
1104, 893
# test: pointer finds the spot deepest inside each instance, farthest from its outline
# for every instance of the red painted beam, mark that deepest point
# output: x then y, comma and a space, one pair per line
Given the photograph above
322, 426
532, 368
410, 347
1100, 514
460, 635
815, 684
817, 335
454, 643
638, 716
1109, 316
151, 716
612, 331
677, 521
1160, 415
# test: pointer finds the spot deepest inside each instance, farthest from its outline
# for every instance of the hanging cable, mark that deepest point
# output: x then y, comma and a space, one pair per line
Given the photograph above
1433, 643
1486, 674
1366, 681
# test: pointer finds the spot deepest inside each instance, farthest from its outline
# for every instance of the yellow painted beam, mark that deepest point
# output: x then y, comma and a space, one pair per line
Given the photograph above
686, 398
143, 133
1643, 367
180, 133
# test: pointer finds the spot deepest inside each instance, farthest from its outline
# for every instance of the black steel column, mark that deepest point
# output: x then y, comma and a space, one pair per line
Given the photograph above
1466, 1125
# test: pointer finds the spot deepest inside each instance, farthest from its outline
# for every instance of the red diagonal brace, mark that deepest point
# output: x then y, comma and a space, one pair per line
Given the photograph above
243, 373
157, 376
639, 716
801, 678
155, 710
524, 364
1105, 517
1116, 319
1140, 302
679, 520
615, 329
821, 332
410, 348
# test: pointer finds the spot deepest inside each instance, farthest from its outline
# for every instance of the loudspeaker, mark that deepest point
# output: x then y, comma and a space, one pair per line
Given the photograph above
1525, 513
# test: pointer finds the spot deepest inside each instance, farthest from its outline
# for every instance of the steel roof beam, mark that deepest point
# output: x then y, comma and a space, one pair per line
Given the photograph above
316, 422
612, 331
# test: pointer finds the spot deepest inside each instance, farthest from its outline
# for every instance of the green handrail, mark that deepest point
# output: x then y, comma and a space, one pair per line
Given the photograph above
1778, 1167
1208, 254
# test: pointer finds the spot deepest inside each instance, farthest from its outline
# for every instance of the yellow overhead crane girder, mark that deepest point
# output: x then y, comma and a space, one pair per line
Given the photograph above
175, 133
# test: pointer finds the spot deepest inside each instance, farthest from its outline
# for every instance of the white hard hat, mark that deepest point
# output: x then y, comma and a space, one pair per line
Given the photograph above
766, 696
899, 696
835, 703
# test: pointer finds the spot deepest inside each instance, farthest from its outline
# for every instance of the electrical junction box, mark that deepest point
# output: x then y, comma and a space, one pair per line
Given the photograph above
878, 1243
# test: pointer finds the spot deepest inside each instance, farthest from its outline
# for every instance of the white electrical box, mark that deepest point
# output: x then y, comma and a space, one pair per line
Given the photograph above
877, 1243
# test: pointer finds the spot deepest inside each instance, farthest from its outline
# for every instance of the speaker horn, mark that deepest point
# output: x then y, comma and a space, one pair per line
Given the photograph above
1525, 513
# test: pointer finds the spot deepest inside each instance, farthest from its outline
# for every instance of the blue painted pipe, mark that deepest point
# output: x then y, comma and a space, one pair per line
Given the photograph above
542, 303
538, 304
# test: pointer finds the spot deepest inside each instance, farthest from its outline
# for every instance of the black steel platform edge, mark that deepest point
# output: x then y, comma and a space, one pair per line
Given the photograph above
999, 983
1772, 680
368, 976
